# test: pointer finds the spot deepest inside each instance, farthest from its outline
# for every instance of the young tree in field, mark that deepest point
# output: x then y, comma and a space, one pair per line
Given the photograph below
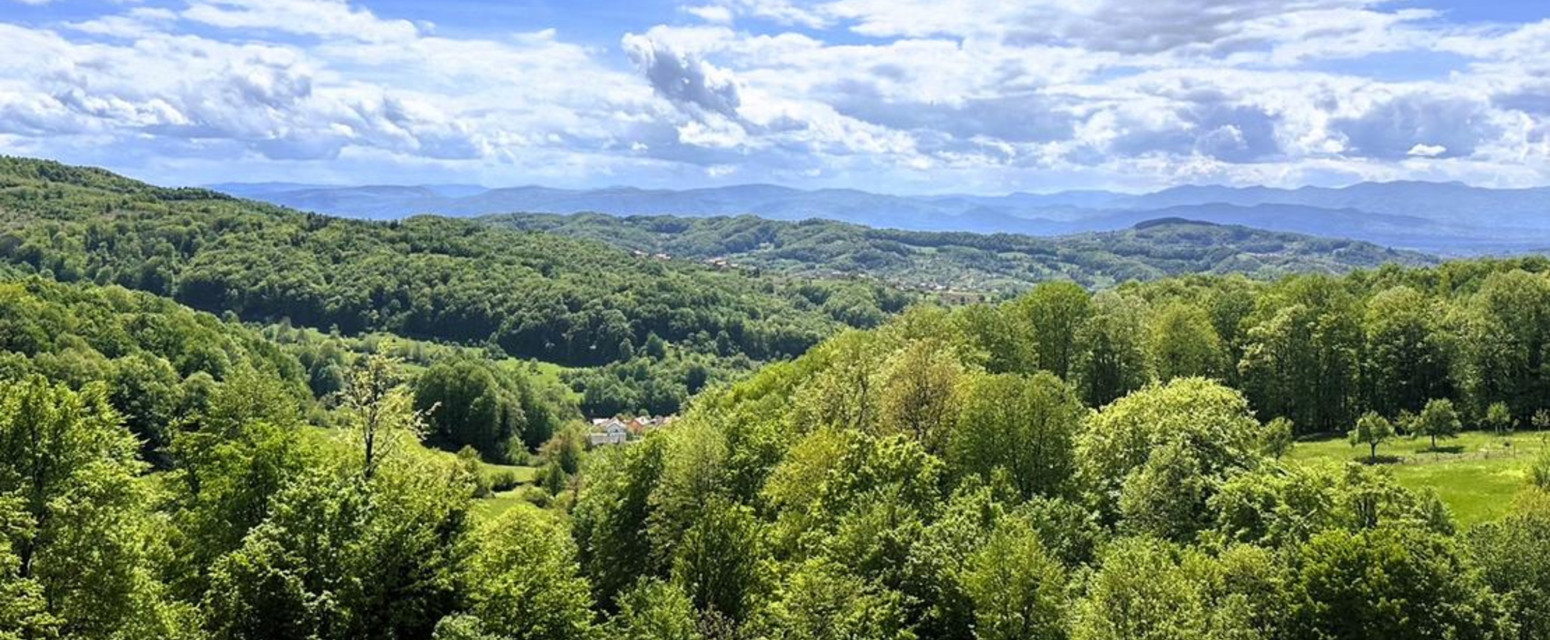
1499, 418
1438, 420
1275, 438
1371, 430
1542, 419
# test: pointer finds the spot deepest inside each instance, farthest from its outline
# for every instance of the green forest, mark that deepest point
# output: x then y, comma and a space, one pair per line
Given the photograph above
527, 295
997, 264
216, 424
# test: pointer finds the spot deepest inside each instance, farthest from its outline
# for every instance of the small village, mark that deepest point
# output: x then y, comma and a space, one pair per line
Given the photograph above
616, 431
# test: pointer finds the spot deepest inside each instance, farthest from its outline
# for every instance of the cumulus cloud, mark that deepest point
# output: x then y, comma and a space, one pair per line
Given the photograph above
885, 94
684, 79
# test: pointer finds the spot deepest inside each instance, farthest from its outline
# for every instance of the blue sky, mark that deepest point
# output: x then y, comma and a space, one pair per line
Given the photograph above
908, 96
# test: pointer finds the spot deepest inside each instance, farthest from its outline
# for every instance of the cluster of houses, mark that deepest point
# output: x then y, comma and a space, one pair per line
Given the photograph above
609, 431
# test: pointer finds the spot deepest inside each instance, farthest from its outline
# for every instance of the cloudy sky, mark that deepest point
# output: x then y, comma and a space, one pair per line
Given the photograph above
909, 96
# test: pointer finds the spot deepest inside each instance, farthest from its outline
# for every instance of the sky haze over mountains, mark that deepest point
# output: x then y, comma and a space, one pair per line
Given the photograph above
1440, 218
904, 96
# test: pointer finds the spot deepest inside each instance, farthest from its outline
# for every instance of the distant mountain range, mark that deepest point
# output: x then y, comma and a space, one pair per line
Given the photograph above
1443, 218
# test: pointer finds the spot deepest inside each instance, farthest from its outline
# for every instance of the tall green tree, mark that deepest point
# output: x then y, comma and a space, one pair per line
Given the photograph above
1182, 343
1052, 315
1302, 359
1407, 361
78, 529
524, 582
1205, 423
1016, 587
1023, 427
1112, 357
1390, 582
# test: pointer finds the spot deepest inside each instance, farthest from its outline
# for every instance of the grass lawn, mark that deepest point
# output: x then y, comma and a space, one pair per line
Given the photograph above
1476, 474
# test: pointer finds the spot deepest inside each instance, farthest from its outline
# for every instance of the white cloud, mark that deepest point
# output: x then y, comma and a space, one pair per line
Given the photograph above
886, 94
711, 13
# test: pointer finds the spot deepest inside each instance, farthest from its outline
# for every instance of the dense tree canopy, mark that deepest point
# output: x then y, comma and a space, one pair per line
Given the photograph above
1052, 467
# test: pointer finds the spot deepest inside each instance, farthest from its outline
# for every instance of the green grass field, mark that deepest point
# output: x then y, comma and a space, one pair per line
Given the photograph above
1476, 474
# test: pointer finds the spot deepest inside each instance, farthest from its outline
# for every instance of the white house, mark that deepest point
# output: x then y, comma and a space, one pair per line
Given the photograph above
608, 431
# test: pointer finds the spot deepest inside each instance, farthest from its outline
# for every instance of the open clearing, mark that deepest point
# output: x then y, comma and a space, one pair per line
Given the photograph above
1476, 474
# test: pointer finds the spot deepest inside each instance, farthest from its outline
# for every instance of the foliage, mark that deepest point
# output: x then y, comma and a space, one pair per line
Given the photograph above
998, 263
1438, 420
1371, 430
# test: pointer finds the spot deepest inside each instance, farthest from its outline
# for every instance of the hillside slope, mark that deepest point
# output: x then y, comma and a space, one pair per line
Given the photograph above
972, 262
535, 295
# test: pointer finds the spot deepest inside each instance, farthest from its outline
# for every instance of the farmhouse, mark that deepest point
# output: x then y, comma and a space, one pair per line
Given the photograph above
608, 431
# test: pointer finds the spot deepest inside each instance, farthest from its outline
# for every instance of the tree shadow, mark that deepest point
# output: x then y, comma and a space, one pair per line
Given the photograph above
1451, 448
1381, 459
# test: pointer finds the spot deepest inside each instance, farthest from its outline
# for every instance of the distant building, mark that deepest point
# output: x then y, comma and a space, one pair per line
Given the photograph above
608, 431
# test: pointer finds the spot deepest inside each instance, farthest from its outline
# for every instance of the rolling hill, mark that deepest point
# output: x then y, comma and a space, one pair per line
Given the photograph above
961, 261
1445, 218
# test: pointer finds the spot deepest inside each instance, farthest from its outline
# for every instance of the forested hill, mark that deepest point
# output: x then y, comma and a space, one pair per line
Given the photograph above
973, 262
536, 295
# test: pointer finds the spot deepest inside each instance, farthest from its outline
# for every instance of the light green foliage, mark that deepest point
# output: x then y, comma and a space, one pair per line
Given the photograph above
1141, 593
523, 579
1438, 420
1498, 418
1371, 430
717, 561
1275, 438
820, 600
1514, 558
655, 610
692, 475
1016, 587
78, 538
1539, 473
1275, 506
1206, 424
610, 520
921, 392
1166, 497
1182, 343
1024, 427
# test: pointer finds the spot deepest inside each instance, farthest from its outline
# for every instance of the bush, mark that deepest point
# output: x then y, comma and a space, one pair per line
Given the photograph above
502, 480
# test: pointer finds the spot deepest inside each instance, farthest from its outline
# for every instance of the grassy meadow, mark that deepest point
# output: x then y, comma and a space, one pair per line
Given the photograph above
1476, 474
